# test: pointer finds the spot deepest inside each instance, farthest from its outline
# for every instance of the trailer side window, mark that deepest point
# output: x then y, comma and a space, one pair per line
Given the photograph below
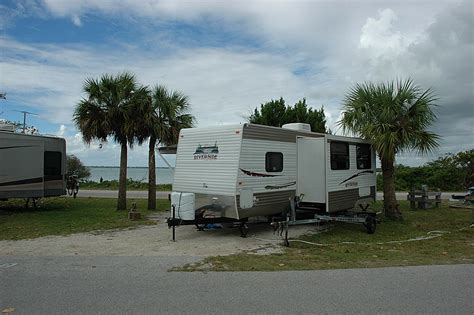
363, 156
274, 161
52, 163
339, 155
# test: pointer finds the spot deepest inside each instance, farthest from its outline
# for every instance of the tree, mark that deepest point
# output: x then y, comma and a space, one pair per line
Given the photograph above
272, 113
75, 167
443, 174
163, 116
394, 118
465, 161
276, 113
454, 171
301, 113
109, 109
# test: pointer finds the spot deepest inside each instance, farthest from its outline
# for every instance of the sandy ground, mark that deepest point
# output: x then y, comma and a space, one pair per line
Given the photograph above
155, 241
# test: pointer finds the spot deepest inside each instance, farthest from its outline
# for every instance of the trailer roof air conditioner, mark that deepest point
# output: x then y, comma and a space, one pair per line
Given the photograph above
298, 126
7, 127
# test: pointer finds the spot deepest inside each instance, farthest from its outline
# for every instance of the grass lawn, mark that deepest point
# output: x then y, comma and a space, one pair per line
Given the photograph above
454, 247
62, 216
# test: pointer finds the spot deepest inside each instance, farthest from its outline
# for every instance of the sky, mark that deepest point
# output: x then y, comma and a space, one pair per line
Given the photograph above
231, 56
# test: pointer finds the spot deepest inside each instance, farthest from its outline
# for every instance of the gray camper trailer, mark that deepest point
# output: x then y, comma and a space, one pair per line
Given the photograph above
31, 166
248, 170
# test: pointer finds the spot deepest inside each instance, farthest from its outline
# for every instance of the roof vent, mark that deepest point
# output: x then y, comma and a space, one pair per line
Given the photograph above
7, 127
298, 126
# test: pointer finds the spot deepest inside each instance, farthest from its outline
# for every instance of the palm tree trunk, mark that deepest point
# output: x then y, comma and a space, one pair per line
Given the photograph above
122, 193
151, 175
390, 203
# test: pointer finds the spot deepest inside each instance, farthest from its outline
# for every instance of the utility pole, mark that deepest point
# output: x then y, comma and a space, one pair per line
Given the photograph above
3, 96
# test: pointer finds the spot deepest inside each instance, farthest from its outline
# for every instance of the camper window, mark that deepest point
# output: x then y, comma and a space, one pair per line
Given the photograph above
363, 156
52, 163
274, 161
339, 155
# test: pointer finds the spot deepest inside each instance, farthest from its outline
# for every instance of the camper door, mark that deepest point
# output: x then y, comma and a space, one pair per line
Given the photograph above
311, 183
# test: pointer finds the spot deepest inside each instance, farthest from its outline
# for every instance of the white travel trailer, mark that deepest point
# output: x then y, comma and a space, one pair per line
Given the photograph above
242, 171
31, 166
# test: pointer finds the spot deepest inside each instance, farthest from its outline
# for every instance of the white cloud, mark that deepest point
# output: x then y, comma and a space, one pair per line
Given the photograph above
108, 153
378, 37
222, 84
335, 46
276, 22
76, 20
62, 130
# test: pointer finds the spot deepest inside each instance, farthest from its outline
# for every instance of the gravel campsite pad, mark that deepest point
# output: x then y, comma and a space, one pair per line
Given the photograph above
155, 241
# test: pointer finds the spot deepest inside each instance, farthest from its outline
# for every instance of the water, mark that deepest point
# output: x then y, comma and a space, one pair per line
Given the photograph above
163, 174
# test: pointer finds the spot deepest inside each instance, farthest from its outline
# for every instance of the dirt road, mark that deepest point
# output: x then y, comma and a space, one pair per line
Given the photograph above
154, 241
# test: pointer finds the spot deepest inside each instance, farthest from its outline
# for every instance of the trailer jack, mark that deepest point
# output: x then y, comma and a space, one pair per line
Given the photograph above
28, 201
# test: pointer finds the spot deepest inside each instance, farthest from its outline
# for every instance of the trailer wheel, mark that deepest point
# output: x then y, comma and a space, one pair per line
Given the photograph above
370, 224
76, 190
201, 227
244, 229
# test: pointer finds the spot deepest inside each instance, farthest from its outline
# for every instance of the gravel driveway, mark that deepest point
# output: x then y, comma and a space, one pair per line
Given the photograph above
154, 241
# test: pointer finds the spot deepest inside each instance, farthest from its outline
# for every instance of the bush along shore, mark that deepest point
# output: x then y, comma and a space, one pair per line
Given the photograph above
454, 172
114, 184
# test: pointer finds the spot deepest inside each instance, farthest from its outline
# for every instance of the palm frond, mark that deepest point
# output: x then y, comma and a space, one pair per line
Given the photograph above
393, 116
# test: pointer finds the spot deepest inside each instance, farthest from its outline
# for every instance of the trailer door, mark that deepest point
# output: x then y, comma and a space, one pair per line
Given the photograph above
311, 183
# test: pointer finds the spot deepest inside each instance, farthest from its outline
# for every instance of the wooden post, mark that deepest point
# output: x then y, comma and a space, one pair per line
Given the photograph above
423, 204
423, 201
174, 226
134, 214
411, 197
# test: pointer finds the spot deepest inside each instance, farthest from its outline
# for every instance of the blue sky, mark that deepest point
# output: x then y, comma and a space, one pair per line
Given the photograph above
229, 57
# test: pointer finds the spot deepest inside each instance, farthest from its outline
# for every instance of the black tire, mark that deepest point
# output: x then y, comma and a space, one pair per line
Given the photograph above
201, 227
244, 230
75, 190
370, 224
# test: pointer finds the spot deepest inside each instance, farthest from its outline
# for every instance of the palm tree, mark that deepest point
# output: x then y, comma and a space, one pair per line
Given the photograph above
165, 115
394, 118
109, 109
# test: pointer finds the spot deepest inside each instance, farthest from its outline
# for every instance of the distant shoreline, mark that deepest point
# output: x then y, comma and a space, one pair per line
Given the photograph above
95, 166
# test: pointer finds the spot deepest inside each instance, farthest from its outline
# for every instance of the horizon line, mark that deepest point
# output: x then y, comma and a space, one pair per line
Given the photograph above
112, 166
